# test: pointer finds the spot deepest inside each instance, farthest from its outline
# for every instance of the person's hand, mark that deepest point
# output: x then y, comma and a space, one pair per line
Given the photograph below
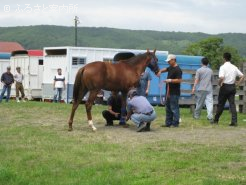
159, 73
147, 92
116, 114
168, 80
193, 91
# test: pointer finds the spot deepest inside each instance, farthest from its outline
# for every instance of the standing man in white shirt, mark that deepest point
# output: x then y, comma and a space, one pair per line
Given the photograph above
19, 77
227, 82
59, 85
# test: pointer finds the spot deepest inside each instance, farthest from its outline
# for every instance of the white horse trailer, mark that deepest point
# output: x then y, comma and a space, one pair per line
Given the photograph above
70, 60
31, 64
4, 63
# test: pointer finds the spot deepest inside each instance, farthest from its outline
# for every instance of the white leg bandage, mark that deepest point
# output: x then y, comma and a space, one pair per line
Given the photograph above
90, 122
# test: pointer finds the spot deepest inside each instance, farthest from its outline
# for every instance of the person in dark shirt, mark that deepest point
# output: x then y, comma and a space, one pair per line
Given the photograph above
174, 78
114, 109
7, 79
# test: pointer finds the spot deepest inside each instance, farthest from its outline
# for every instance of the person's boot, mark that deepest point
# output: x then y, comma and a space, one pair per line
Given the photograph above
147, 128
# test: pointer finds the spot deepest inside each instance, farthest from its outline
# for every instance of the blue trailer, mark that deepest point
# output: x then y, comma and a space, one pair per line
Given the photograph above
158, 88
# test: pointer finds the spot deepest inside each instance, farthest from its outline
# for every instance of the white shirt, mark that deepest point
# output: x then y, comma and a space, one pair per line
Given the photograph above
19, 77
229, 72
59, 81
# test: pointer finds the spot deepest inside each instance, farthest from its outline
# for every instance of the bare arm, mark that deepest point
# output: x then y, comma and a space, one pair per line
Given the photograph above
240, 80
161, 71
194, 86
147, 89
221, 79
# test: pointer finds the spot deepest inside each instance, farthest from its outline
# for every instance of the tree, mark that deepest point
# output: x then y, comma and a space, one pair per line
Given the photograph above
213, 49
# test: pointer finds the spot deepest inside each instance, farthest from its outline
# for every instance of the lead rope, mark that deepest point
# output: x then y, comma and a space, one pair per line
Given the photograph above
167, 93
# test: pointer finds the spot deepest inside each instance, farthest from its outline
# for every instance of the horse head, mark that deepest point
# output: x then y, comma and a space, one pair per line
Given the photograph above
153, 64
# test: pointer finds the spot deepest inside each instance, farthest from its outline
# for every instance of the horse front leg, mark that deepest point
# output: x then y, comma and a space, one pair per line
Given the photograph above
123, 110
88, 106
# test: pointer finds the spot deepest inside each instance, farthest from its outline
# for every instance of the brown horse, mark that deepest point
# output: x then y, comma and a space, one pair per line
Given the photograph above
112, 77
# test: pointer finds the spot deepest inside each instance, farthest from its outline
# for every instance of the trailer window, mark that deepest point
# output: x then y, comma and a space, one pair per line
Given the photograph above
78, 61
40, 62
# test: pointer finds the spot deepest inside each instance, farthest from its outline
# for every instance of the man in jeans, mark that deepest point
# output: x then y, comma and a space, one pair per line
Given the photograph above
204, 93
140, 111
227, 82
7, 79
174, 78
59, 85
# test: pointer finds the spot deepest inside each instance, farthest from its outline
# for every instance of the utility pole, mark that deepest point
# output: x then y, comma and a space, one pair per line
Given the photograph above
76, 22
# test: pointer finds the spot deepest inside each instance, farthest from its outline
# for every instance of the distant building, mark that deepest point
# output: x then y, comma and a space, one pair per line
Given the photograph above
9, 47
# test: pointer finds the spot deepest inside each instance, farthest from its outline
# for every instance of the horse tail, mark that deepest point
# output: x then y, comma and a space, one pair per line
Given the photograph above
78, 85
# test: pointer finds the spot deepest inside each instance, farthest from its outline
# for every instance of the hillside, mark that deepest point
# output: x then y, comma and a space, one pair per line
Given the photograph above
37, 37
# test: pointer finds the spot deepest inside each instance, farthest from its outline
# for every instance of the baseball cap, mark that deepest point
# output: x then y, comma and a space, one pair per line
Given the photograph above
170, 57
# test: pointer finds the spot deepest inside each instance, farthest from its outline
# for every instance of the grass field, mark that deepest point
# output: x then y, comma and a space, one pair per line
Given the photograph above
36, 148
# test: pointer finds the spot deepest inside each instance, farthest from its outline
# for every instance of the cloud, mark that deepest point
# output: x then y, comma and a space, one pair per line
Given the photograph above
207, 16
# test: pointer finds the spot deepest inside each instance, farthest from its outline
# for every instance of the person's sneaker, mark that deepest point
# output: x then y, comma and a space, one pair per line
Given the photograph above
233, 125
141, 126
18, 101
23, 100
147, 128
164, 125
213, 122
109, 124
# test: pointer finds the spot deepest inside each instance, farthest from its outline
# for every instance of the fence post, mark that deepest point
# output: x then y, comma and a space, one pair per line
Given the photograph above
243, 108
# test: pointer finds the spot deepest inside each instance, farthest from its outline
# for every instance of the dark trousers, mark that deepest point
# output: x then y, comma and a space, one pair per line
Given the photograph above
109, 117
227, 92
172, 110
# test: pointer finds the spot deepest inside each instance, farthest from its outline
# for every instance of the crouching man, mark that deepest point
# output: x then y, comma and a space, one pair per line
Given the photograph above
140, 111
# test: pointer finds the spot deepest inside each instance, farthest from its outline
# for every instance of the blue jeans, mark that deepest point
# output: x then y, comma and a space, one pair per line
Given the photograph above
207, 97
58, 93
172, 110
139, 118
8, 88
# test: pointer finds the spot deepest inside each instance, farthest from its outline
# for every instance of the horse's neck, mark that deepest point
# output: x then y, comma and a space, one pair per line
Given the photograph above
139, 64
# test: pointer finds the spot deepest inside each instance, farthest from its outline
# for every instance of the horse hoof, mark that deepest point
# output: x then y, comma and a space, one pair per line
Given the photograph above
94, 129
70, 129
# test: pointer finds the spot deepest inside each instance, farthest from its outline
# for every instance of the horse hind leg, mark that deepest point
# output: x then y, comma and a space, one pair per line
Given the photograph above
88, 106
74, 108
70, 121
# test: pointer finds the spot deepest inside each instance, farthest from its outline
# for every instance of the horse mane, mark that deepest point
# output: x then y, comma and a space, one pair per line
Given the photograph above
135, 58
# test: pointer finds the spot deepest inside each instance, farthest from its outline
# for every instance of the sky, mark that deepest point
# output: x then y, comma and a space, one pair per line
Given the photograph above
207, 16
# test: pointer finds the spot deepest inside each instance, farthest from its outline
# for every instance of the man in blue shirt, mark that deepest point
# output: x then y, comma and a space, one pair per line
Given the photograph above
144, 84
140, 111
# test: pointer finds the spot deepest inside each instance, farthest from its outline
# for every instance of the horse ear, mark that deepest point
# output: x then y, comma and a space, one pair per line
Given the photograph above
147, 50
154, 51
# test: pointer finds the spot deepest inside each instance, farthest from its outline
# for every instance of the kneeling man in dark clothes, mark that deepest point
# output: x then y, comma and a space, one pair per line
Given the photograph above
114, 109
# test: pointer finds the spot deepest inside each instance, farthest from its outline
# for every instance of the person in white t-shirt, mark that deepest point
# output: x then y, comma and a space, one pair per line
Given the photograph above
19, 77
227, 82
58, 85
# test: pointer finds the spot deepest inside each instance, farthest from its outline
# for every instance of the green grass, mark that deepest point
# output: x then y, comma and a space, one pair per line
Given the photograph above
36, 148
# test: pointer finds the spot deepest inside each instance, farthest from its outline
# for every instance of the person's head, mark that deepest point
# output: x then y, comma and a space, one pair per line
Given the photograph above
59, 70
18, 69
8, 69
171, 59
205, 61
131, 93
227, 56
